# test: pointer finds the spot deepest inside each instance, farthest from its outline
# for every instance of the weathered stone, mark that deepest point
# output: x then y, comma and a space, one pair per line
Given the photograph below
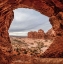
41, 34
30, 34
50, 34
37, 35
46, 7
56, 48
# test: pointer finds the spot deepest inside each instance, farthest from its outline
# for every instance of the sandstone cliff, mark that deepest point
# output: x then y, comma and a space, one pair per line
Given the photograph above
50, 34
56, 48
50, 8
37, 35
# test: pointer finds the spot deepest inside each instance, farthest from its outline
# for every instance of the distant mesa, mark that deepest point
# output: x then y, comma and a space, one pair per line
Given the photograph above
40, 34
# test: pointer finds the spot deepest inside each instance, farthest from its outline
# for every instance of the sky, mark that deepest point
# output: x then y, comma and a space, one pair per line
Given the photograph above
26, 20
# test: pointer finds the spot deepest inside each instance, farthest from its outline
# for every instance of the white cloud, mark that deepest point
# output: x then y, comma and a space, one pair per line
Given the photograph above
18, 33
18, 16
23, 15
27, 20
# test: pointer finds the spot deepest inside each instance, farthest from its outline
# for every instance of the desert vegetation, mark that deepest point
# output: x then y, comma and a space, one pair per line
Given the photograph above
29, 51
30, 46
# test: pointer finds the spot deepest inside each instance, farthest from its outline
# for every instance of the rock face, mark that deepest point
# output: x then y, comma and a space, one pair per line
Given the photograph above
56, 48
41, 34
46, 7
37, 35
50, 34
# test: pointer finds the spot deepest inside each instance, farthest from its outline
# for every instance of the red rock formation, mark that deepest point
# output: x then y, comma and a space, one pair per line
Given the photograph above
35, 35
50, 34
38, 35
30, 34
41, 34
56, 48
46, 7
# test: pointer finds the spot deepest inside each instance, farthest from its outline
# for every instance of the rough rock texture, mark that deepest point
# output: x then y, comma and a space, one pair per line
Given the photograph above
5, 55
50, 34
56, 48
32, 34
41, 34
46, 7
37, 35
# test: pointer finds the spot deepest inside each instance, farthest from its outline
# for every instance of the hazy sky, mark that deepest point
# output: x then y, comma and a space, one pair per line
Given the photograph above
26, 20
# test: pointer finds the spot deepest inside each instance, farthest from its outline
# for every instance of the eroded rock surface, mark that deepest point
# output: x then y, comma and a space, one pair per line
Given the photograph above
56, 48
50, 34
37, 35
46, 7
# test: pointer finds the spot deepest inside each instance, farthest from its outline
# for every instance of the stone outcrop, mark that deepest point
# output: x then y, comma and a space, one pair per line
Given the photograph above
50, 34
37, 35
56, 48
46, 7
41, 34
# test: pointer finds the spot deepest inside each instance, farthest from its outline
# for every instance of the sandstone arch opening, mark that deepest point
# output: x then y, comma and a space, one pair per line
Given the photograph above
48, 8
27, 20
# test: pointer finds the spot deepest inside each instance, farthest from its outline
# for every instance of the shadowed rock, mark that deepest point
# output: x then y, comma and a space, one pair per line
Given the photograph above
56, 48
46, 7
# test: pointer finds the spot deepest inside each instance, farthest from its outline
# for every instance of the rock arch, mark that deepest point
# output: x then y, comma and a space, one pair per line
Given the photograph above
46, 7
6, 14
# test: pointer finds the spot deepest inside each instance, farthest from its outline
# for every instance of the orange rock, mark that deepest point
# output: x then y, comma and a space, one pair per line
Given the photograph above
56, 48
50, 34
46, 7
38, 35
41, 34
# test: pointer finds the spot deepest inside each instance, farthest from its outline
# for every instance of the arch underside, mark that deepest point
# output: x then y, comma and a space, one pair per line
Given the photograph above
49, 8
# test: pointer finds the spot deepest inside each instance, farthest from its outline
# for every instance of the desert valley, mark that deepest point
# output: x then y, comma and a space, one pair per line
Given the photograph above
33, 44
31, 47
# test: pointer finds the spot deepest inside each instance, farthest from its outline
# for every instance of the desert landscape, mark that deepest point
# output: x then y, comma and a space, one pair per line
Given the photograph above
28, 45
29, 49
31, 52
35, 43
